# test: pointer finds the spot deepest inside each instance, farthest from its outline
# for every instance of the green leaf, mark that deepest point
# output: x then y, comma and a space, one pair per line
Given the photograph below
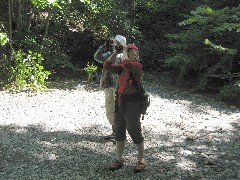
3, 38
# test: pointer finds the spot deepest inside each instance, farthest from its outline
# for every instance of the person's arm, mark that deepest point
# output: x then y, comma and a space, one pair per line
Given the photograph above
113, 68
112, 57
100, 55
134, 67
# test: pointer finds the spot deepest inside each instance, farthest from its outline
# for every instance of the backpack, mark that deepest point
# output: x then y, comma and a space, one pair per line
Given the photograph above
106, 81
144, 97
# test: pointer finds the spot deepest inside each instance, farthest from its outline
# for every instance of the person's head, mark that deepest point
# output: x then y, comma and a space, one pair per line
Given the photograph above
119, 40
118, 43
132, 52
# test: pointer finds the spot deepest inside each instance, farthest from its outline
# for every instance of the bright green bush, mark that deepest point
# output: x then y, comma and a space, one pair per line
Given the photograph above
3, 38
28, 72
4, 63
91, 71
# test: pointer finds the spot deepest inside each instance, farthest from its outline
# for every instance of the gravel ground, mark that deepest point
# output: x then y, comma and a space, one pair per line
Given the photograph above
58, 134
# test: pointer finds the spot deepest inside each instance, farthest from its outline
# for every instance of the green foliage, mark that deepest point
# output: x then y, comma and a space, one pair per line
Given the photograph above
45, 3
113, 18
155, 19
231, 92
55, 57
50, 49
195, 54
4, 63
28, 73
91, 71
3, 38
219, 48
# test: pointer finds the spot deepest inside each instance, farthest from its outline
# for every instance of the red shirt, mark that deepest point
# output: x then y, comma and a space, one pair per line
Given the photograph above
123, 70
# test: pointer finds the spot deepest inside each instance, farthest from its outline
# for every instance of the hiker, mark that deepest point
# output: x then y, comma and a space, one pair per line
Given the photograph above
127, 114
109, 81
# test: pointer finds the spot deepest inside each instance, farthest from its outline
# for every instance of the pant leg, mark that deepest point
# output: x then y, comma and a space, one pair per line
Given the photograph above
110, 104
120, 127
132, 114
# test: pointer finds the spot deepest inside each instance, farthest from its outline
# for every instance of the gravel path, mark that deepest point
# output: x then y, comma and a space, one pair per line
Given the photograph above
58, 134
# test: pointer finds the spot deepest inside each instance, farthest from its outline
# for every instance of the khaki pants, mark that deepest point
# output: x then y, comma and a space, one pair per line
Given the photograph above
110, 103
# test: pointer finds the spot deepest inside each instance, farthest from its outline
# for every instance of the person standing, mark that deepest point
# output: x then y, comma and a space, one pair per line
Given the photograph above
128, 113
109, 81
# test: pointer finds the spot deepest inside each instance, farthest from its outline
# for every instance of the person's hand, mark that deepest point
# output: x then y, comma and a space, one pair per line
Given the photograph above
108, 45
115, 51
125, 48
125, 53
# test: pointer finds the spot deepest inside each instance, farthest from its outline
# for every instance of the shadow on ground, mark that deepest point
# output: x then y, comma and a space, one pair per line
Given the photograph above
33, 153
196, 155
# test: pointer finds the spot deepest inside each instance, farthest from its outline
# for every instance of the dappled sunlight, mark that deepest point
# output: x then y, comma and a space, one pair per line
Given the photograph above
46, 156
21, 130
53, 121
186, 165
61, 132
165, 156
43, 149
47, 144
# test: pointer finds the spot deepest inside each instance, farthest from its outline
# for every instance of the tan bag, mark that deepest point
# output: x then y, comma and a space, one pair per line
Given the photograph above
106, 81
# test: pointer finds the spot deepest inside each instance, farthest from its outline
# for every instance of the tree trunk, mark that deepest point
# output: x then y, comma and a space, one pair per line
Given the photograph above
19, 20
26, 21
47, 24
19, 17
10, 23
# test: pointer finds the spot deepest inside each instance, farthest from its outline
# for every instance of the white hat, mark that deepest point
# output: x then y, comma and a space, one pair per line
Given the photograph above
122, 40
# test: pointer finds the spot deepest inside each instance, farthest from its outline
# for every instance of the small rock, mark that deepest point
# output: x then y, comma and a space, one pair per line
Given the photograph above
190, 138
78, 177
208, 162
233, 107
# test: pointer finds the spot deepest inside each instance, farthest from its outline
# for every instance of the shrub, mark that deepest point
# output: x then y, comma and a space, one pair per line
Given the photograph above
91, 71
27, 73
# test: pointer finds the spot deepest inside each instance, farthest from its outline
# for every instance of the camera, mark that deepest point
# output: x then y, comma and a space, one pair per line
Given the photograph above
115, 43
119, 48
108, 44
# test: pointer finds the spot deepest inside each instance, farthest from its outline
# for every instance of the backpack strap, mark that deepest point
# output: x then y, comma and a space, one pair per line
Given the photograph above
138, 86
134, 81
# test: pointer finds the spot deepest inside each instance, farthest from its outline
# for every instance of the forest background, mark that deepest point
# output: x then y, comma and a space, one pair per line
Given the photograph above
197, 43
